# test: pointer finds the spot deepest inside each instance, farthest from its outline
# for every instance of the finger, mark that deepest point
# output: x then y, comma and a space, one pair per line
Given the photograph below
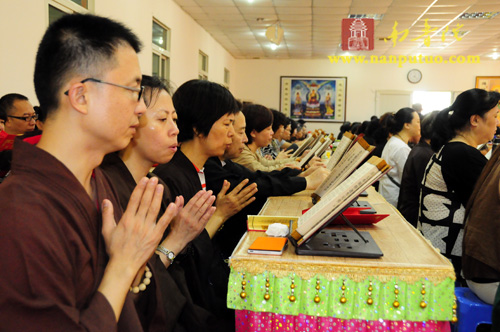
179, 202
206, 206
108, 218
225, 187
248, 195
238, 188
136, 196
250, 189
166, 218
197, 200
208, 214
244, 204
155, 205
147, 197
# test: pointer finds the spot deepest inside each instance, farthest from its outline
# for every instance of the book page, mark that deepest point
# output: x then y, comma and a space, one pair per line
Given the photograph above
303, 147
332, 203
310, 154
323, 147
340, 150
346, 166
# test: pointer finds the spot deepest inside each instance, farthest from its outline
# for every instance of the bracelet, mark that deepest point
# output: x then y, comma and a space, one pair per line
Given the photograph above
146, 281
169, 253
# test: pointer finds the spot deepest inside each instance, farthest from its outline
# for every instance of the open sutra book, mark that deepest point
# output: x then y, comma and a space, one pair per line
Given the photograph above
338, 199
350, 153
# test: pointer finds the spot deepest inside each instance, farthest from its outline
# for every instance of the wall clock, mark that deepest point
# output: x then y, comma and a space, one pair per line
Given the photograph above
414, 76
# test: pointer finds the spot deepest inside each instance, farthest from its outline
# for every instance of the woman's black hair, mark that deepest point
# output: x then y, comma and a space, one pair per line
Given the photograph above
397, 121
153, 85
279, 119
426, 125
199, 104
345, 127
258, 118
354, 127
457, 117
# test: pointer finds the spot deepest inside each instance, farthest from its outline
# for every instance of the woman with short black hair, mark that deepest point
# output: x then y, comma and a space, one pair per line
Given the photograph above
259, 120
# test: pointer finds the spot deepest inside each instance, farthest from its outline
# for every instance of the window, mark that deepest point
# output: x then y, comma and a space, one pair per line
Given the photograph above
203, 66
432, 100
59, 8
161, 50
81, 3
227, 76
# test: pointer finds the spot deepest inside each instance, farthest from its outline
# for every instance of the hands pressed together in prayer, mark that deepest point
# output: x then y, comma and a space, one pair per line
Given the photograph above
191, 219
132, 241
230, 204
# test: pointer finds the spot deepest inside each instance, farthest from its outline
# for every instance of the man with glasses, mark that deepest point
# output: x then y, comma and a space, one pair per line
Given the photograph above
20, 115
69, 254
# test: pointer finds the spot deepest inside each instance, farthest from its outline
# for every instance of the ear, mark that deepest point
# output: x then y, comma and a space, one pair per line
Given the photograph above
198, 134
253, 133
407, 125
78, 97
8, 123
474, 120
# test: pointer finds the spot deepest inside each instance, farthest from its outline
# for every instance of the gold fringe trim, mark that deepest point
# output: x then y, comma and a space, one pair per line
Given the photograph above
354, 273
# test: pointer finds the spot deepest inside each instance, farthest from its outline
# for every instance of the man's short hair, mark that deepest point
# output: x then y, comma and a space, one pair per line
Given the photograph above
199, 104
76, 44
7, 102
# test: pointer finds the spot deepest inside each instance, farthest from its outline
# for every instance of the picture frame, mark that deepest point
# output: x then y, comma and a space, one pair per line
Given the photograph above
313, 98
488, 83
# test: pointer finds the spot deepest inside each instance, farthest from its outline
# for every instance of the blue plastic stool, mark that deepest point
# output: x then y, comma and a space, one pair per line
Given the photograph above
471, 310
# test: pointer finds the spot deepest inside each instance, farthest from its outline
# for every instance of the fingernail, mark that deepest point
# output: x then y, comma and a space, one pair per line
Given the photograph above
105, 204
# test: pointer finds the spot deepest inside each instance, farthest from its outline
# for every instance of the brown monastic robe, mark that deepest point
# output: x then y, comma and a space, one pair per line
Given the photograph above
53, 253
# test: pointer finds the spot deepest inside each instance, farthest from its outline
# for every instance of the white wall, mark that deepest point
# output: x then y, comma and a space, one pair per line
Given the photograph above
23, 22
259, 81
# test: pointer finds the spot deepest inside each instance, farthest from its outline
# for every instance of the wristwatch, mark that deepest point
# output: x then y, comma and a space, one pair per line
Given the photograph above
169, 253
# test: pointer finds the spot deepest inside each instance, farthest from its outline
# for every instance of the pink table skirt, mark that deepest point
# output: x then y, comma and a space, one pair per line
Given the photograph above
266, 321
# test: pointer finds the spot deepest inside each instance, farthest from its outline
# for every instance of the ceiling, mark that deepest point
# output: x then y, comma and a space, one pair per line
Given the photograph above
313, 27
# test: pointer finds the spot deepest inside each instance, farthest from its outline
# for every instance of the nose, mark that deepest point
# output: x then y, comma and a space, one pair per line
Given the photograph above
175, 129
244, 138
140, 109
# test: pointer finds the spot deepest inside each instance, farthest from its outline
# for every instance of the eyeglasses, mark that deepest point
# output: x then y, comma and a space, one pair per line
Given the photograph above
140, 90
27, 118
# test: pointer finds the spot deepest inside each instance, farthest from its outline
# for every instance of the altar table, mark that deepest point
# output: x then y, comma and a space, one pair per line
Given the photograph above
410, 288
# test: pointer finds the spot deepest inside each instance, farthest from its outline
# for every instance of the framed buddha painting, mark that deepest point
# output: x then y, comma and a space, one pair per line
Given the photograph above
313, 98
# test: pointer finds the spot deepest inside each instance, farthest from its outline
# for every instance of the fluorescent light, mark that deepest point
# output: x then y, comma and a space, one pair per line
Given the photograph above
273, 46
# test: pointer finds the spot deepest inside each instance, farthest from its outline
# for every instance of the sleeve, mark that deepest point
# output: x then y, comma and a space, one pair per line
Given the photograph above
276, 183
399, 158
42, 271
461, 169
250, 161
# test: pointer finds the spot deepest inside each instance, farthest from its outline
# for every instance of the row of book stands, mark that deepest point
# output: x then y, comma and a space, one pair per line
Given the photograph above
336, 277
